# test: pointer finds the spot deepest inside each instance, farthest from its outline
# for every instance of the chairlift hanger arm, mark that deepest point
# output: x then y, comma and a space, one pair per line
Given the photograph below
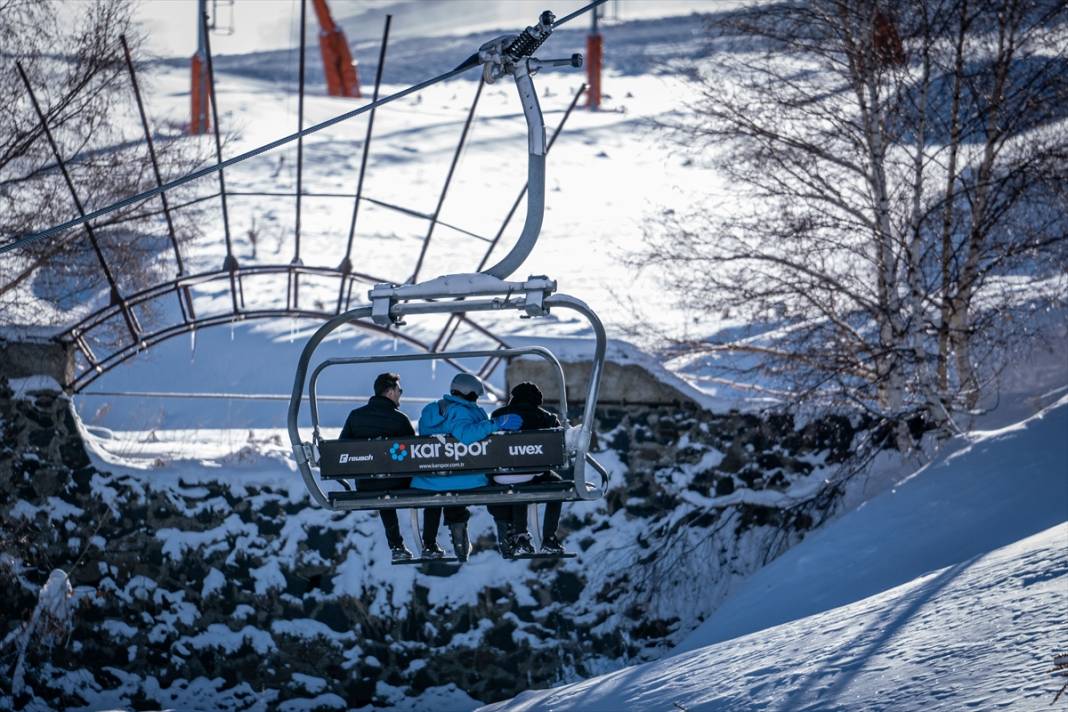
512, 55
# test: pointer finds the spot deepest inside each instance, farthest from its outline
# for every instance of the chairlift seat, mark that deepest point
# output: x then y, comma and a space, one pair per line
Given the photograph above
405, 498
528, 452
487, 290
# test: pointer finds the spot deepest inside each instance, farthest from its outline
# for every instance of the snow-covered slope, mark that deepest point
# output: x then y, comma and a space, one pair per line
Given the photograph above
949, 592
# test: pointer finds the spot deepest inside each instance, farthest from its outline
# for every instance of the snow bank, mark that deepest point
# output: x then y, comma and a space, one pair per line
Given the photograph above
939, 594
967, 636
22, 387
997, 488
51, 618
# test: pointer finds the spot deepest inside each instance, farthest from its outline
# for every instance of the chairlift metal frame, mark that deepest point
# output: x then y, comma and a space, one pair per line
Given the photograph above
487, 290
307, 453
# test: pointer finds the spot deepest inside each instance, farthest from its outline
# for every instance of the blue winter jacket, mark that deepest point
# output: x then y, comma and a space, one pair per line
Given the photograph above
465, 421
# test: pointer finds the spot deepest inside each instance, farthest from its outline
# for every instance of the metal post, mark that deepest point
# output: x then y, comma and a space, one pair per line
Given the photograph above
185, 301
440, 343
116, 298
448, 180
230, 263
198, 89
292, 292
488, 367
346, 263
594, 61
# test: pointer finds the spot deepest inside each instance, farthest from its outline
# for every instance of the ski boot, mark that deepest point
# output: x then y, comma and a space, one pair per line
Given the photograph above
504, 534
432, 551
461, 543
521, 545
400, 552
552, 546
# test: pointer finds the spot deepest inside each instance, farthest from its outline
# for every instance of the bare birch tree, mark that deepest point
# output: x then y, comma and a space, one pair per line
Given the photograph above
897, 165
75, 63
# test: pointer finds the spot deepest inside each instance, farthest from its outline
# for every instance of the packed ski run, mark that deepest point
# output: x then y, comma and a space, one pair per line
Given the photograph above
948, 592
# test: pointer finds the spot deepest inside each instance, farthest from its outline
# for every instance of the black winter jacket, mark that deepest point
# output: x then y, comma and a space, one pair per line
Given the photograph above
534, 417
380, 418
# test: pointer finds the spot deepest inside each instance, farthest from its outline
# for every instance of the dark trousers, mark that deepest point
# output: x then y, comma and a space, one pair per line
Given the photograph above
432, 521
388, 516
516, 514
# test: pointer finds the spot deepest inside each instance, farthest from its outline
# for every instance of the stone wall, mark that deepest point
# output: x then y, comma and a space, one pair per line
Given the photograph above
36, 357
620, 383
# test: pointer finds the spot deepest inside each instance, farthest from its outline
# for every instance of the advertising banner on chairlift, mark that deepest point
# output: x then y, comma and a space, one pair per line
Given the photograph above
523, 451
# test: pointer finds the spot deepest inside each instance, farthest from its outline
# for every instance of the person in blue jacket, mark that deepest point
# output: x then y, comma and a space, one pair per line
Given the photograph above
456, 414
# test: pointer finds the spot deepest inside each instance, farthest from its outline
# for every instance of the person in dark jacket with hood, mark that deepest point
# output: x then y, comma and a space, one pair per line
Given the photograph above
511, 519
381, 418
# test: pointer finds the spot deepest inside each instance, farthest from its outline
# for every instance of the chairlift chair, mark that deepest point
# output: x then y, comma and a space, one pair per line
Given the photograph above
564, 451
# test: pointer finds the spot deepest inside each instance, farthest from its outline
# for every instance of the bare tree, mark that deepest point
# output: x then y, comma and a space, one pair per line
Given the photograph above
77, 70
897, 165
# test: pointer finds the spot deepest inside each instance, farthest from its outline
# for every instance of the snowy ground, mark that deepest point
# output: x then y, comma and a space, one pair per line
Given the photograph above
273, 24
949, 592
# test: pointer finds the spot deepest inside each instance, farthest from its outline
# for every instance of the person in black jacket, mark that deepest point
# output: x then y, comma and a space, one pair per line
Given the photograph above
380, 418
511, 519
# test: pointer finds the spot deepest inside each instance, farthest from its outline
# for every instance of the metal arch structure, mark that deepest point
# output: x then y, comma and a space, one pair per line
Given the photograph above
90, 365
94, 366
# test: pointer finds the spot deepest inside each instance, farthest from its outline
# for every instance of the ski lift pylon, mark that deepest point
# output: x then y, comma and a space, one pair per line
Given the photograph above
565, 450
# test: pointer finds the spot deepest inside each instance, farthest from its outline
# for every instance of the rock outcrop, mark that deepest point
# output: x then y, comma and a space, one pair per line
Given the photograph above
200, 587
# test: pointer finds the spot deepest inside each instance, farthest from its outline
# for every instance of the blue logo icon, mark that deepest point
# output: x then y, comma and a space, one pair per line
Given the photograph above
399, 451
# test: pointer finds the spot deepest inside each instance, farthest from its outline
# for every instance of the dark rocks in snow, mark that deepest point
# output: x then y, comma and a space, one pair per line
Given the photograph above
187, 589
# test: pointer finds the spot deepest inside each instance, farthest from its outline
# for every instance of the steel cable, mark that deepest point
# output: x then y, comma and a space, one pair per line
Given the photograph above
208, 170
470, 63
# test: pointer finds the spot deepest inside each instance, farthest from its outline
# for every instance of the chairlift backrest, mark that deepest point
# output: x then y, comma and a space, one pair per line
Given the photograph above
449, 356
513, 453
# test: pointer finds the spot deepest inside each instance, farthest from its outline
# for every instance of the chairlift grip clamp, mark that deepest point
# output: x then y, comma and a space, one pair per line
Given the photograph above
509, 54
528, 41
534, 303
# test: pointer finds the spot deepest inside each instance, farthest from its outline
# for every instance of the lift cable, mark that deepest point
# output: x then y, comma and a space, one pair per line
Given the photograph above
469, 63
578, 12
208, 170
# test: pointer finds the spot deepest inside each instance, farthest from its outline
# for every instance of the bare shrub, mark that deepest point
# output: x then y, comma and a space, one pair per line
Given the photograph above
77, 70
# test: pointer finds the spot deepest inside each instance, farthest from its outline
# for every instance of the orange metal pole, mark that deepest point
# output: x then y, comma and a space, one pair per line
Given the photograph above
199, 122
594, 54
198, 83
342, 77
